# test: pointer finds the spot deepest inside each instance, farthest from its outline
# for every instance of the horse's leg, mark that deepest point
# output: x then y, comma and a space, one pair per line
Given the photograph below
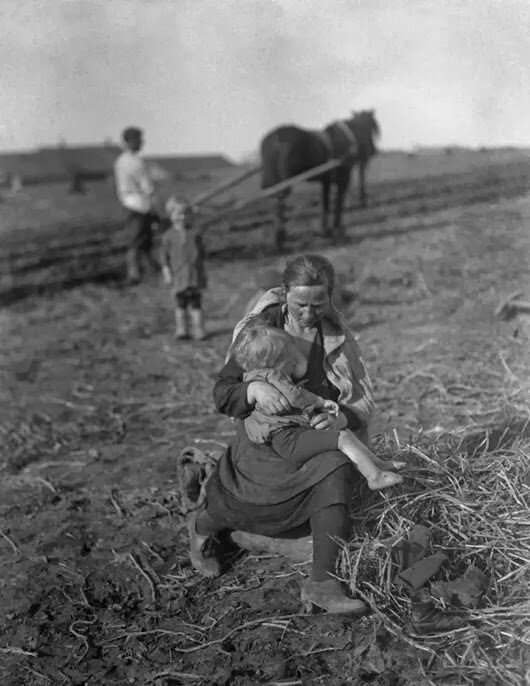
362, 189
325, 206
342, 185
281, 220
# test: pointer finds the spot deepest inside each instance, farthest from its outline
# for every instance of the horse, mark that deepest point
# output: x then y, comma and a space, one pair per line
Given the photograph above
290, 150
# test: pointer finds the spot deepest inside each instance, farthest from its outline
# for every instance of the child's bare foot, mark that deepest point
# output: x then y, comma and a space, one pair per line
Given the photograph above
384, 480
385, 465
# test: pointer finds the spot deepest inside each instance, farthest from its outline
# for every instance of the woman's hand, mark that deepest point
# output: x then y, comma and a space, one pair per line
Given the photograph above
267, 398
331, 407
328, 421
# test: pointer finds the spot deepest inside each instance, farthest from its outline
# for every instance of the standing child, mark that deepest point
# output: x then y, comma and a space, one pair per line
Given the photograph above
269, 354
183, 269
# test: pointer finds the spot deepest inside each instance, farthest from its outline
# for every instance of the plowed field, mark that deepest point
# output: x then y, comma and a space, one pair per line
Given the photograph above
97, 400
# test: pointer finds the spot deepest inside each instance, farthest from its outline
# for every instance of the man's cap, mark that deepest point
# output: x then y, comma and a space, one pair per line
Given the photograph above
131, 133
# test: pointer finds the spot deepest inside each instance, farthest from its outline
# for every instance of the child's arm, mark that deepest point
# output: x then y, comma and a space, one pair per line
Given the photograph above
165, 261
166, 273
299, 397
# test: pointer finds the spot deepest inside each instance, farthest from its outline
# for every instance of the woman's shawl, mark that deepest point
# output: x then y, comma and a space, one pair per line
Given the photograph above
343, 364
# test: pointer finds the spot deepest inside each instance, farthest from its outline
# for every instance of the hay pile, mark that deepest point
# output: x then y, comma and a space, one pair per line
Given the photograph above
473, 495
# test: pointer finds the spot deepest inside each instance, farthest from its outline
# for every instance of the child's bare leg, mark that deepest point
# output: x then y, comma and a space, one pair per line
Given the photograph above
385, 465
364, 460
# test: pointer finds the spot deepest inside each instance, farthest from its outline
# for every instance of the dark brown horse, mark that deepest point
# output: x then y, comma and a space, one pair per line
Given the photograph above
290, 150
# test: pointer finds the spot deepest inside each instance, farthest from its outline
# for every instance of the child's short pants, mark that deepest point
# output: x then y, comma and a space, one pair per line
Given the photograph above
190, 296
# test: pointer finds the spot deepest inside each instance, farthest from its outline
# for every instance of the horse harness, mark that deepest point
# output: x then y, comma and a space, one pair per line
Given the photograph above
345, 130
326, 140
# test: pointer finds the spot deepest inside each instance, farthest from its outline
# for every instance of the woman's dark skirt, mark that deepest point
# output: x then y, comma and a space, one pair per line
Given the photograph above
287, 519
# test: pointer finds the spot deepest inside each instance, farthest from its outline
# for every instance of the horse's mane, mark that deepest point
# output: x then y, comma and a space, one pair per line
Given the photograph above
365, 121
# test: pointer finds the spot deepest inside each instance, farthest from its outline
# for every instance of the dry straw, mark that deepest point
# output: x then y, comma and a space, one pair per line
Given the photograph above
473, 494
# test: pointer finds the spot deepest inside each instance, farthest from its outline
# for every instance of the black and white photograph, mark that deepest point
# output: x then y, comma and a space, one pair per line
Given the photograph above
264, 342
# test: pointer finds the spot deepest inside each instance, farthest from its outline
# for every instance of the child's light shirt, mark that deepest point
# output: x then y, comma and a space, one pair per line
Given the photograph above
260, 426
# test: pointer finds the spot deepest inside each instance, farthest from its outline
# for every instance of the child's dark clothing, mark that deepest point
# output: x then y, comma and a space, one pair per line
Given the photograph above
289, 435
191, 297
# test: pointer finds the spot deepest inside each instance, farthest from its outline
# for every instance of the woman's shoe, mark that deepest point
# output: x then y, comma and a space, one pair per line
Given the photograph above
203, 551
330, 596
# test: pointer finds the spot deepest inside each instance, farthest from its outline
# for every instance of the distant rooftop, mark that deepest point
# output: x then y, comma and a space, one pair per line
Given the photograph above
182, 164
94, 161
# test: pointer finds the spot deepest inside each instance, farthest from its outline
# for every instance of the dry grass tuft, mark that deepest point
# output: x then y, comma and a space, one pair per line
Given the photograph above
472, 492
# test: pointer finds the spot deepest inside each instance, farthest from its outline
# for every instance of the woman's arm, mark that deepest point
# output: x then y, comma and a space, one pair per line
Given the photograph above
237, 398
346, 370
230, 392
358, 405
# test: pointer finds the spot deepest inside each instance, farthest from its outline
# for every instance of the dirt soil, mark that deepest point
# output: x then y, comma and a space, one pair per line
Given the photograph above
97, 400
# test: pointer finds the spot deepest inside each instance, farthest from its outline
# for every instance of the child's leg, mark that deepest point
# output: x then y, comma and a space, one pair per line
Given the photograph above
181, 316
385, 465
197, 324
365, 461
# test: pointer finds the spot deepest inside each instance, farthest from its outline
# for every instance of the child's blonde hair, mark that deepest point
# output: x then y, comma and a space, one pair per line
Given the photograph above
180, 212
259, 346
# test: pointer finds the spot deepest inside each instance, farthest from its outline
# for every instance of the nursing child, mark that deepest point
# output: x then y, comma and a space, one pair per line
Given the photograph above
269, 354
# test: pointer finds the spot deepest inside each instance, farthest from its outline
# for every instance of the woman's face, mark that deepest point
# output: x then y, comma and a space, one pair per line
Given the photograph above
307, 304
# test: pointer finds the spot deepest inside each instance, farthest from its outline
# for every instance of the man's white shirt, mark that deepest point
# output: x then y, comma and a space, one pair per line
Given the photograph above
133, 183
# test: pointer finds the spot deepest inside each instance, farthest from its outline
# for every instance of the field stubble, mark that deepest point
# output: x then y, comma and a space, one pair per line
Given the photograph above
97, 401
82, 238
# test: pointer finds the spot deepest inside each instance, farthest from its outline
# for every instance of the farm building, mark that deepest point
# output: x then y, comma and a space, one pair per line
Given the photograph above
184, 165
91, 162
30, 167
54, 164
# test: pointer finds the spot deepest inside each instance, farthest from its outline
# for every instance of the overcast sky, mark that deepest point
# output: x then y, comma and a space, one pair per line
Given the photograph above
215, 75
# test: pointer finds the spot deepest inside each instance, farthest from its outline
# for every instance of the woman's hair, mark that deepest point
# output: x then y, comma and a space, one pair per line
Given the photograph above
309, 270
258, 346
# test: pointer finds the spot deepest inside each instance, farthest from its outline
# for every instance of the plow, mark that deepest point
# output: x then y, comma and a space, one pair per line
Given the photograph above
62, 252
279, 190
